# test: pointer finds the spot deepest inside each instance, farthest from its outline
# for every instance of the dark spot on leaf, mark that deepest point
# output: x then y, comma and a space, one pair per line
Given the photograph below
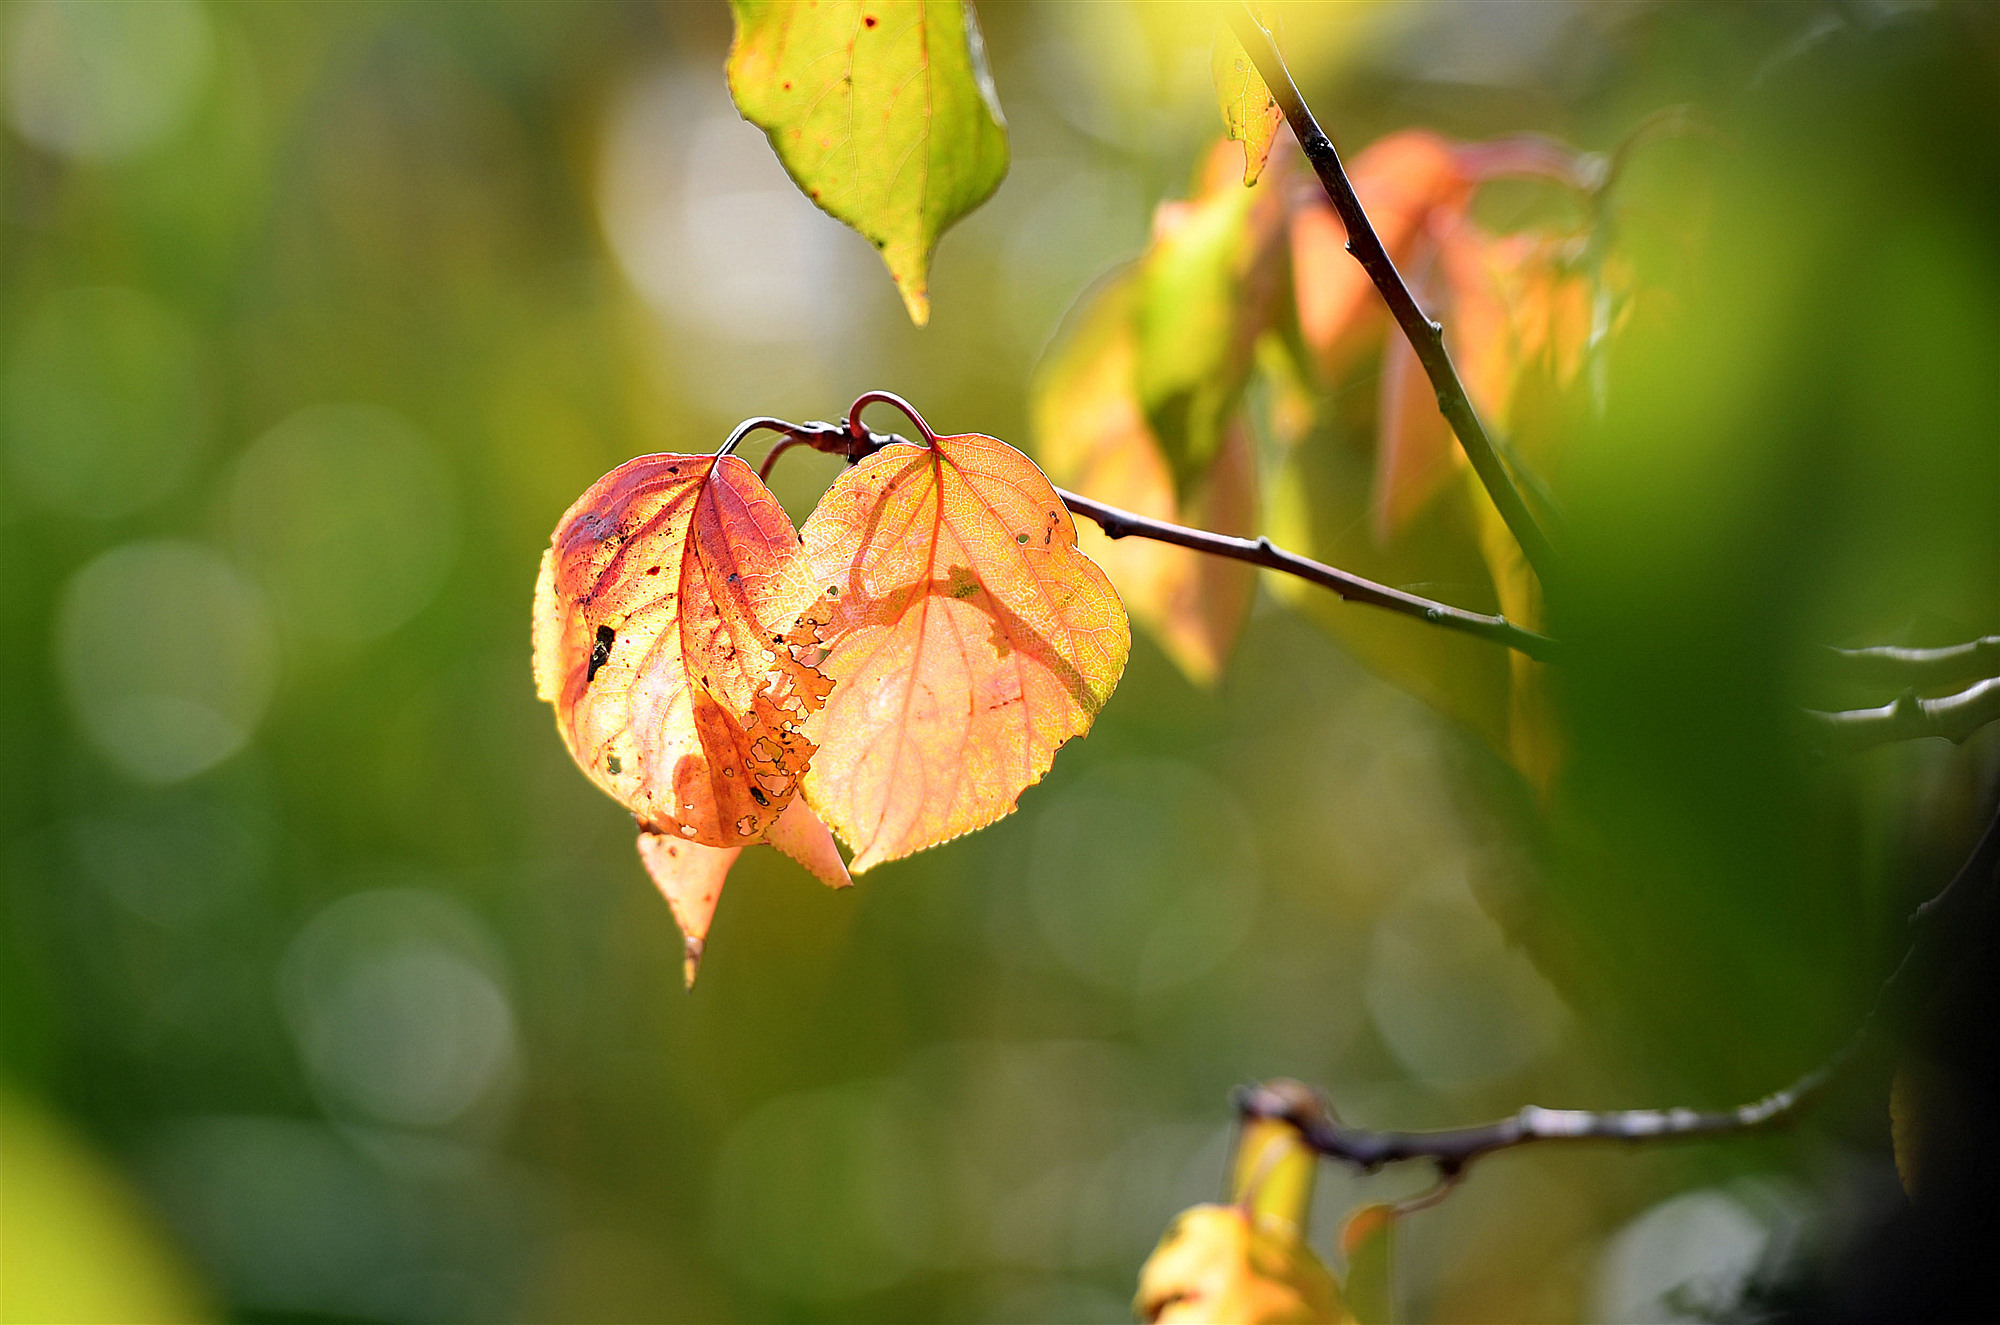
788, 85
869, 19
613, 766
733, 577
757, 794
599, 653
653, 570
1020, 538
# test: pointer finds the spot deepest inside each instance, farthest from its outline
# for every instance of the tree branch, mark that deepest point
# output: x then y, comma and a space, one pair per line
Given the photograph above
1920, 668
1426, 336
855, 441
1452, 1149
1908, 718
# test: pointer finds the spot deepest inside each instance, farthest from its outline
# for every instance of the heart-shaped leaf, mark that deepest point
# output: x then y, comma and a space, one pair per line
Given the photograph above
968, 639
662, 621
882, 111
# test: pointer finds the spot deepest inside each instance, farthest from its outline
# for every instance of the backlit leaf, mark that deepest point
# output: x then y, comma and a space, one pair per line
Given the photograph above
882, 111
1219, 1263
1249, 115
1208, 288
660, 619
668, 635
968, 639
1091, 436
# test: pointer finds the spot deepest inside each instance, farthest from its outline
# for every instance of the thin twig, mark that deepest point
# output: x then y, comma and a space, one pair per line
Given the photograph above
1425, 334
1893, 665
856, 441
1452, 1149
1908, 718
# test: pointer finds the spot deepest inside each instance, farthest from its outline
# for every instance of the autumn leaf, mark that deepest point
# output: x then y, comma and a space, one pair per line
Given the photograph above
1207, 289
1400, 180
1092, 436
883, 113
1249, 115
1222, 1263
669, 636
690, 876
968, 639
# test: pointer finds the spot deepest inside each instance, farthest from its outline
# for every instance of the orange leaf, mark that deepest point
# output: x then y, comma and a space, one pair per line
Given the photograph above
1092, 436
689, 875
1414, 451
969, 639
1400, 180
660, 637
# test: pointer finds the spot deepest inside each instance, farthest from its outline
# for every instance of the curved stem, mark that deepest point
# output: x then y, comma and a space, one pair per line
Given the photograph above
1894, 665
748, 426
1425, 335
857, 430
785, 444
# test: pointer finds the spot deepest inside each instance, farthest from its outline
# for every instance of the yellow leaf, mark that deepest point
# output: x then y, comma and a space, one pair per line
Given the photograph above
1218, 1265
1249, 114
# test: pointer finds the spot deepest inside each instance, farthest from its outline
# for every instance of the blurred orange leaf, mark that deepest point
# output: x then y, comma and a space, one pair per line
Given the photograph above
1091, 435
968, 639
1218, 1263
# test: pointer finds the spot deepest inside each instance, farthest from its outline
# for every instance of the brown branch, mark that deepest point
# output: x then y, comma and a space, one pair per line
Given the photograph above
1454, 1148
855, 441
1908, 718
1425, 334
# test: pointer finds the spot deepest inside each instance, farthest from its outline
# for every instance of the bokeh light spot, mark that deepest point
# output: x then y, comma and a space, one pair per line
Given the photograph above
100, 79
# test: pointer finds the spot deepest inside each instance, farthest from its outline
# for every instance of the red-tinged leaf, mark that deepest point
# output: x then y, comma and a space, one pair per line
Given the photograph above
1414, 449
1090, 435
1400, 180
690, 876
968, 640
661, 620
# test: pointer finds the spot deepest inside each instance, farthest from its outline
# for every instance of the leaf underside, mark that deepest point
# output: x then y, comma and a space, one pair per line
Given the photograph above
882, 111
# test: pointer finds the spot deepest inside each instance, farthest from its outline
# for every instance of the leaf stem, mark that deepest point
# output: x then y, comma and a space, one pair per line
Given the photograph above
855, 441
1454, 1148
1426, 335
1894, 665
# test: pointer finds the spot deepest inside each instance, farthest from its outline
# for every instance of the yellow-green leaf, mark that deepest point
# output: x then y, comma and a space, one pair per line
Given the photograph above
882, 111
1248, 112
1208, 288
1369, 1243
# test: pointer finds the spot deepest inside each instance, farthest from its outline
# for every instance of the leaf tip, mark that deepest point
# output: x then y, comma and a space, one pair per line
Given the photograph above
691, 960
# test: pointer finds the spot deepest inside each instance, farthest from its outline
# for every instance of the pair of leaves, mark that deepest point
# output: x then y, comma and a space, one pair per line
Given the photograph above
882, 111
901, 668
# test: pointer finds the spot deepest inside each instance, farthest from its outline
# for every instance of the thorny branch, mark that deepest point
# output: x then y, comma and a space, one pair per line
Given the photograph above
1426, 335
854, 441
1453, 1149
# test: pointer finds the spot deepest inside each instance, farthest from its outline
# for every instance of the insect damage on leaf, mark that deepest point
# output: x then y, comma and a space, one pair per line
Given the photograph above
962, 657
884, 114
675, 634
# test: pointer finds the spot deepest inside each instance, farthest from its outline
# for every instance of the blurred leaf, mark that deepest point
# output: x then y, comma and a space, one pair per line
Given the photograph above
1208, 288
1091, 435
1272, 1176
1400, 180
883, 112
74, 1246
1368, 1242
1249, 115
968, 640
1217, 1263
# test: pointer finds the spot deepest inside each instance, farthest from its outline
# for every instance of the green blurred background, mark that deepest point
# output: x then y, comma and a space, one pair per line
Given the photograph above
332, 991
